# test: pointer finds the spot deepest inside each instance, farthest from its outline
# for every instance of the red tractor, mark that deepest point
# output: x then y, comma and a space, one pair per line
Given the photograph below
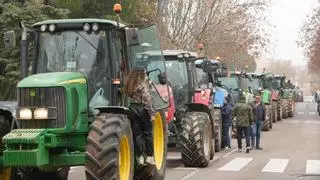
190, 116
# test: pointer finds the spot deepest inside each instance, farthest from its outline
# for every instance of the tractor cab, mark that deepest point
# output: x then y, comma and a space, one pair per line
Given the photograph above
256, 84
71, 102
237, 83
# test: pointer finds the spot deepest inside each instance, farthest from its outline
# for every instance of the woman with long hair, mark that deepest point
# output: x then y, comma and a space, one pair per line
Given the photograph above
137, 88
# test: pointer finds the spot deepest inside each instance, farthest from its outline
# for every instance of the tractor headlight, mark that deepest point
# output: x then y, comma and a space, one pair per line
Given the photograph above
25, 113
41, 113
52, 27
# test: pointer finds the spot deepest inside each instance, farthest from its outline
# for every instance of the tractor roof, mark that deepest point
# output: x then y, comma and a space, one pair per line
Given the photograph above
75, 21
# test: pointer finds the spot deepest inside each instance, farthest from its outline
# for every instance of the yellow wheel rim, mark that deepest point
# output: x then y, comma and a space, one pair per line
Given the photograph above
158, 140
6, 174
124, 158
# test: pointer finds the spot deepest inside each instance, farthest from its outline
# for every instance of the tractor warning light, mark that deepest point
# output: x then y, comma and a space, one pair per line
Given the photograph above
117, 8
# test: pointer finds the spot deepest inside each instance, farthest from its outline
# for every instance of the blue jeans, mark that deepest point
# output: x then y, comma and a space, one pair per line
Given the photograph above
226, 135
255, 133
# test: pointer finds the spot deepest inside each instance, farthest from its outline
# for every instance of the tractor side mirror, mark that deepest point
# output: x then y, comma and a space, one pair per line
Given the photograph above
132, 36
208, 67
9, 39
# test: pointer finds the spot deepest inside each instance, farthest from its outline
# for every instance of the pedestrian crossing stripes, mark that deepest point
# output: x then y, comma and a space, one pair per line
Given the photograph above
302, 122
308, 113
313, 167
236, 164
274, 165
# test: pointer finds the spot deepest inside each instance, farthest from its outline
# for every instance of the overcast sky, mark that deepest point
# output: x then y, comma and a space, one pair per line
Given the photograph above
286, 18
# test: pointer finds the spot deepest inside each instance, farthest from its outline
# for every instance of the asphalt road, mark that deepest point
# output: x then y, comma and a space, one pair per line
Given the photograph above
291, 151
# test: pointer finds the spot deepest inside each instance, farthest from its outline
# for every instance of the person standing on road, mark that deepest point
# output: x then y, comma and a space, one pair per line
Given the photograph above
256, 127
243, 116
226, 112
137, 88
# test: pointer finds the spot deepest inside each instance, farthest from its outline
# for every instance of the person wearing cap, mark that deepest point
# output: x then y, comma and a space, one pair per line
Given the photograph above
243, 115
137, 87
226, 112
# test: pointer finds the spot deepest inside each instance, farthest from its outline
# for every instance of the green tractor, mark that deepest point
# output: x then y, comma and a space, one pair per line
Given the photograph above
236, 84
273, 84
71, 110
288, 94
255, 83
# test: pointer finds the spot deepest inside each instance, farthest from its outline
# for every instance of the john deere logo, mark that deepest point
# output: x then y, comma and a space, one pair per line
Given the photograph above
32, 92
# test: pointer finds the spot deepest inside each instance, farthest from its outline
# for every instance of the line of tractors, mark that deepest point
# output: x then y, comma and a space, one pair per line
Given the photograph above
70, 109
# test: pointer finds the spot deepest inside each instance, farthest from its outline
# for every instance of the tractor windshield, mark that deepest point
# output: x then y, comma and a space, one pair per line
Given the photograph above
70, 51
230, 82
178, 80
254, 83
276, 83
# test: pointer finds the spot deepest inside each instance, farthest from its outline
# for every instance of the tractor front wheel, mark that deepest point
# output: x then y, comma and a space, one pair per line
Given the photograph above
195, 140
217, 130
284, 105
267, 121
280, 108
110, 149
290, 108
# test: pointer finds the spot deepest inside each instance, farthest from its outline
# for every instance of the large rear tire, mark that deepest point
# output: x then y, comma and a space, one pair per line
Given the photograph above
267, 121
217, 130
284, 104
279, 110
274, 111
291, 108
195, 140
160, 140
110, 149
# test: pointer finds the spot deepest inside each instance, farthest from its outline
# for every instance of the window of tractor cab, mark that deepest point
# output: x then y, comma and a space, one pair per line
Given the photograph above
76, 51
230, 82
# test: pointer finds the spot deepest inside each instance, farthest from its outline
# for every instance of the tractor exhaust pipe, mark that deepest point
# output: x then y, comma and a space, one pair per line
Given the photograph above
24, 51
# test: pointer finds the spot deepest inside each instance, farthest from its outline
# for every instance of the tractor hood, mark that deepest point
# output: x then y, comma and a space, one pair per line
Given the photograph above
52, 79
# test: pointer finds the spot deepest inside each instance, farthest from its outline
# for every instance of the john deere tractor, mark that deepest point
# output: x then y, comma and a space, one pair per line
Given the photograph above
273, 84
288, 95
236, 84
70, 108
255, 83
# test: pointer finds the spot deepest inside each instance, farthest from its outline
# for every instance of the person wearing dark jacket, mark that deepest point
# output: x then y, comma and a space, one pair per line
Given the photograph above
242, 112
226, 112
256, 127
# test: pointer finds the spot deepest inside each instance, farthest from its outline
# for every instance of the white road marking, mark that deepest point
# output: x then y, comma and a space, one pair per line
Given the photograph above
276, 165
312, 113
300, 113
236, 164
313, 167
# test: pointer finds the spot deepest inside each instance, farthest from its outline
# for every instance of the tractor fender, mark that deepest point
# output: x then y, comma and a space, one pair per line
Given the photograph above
117, 110
199, 107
